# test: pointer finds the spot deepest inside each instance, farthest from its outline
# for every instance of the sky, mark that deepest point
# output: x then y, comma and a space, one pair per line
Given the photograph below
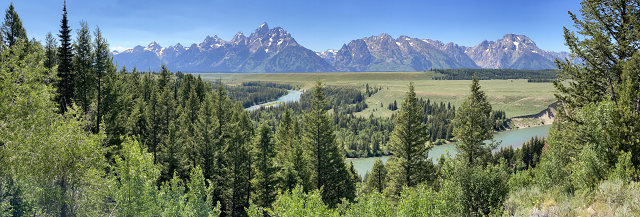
316, 25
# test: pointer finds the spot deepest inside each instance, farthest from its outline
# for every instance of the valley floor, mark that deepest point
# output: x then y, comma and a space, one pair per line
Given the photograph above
516, 97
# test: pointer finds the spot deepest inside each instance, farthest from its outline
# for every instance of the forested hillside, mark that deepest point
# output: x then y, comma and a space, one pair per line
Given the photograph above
80, 136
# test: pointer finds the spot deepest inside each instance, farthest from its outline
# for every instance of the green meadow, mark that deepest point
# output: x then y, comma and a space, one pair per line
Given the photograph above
516, 97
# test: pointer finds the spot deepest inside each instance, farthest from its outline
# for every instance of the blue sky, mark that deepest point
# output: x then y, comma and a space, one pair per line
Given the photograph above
317, 25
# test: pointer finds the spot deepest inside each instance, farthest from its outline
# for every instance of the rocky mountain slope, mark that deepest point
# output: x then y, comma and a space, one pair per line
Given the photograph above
512, 51
275, 50
265, 50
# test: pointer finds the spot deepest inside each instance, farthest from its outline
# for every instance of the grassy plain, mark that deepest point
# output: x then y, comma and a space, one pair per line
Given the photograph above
515, 97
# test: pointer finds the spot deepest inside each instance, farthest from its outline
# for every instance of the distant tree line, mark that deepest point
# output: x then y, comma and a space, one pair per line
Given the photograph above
268, 84
250, 95
538, 80
499, 74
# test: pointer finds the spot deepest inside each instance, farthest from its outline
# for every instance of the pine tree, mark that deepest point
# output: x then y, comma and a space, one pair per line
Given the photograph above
327, 160
151, 132
12, 29
295, 164
409, 144
265, 180
241, 158
83, 66
188, 120
206, 128
474, 125
377, 179
409, 140
115, 102
51, 52
220, 174
103, 61
66, 87
606, 45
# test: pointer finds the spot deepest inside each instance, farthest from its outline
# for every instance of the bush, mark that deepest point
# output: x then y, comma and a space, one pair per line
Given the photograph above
473, 189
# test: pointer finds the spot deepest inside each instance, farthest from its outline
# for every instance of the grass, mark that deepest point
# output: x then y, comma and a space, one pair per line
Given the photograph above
515, 97
610, 198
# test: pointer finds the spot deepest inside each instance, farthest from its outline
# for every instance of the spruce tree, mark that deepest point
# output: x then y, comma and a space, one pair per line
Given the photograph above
265, 180
241, 158
83, 66
188, 120
409, 142
327, 160
12, 29
377, 179
220, 173
474, 125
151, 132
295, 170
207, 126
51, 52
65, 86
103, 61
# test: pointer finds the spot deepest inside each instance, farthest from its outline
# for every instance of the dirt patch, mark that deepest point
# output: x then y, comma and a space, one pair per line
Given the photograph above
545, 117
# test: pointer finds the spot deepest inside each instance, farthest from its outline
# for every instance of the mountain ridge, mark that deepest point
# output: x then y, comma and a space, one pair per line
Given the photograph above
275, 50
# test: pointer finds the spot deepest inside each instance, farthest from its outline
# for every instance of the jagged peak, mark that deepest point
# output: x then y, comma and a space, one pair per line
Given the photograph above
239, 36
515, 37
264, 28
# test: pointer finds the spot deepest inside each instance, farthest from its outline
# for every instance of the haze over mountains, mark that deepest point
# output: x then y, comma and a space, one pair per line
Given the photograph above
274, 50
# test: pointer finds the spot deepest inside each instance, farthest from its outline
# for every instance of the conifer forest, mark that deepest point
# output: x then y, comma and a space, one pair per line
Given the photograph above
81, 135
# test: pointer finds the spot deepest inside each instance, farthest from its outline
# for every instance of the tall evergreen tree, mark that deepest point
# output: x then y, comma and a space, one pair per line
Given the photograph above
295, 165
378, 177
65, 86
51, 52
474, 125
220, 173
206, 129
103, 61
188, 120
83, 66
606, 44
240, 153
12, 29
409, 142
327, 160
265, 180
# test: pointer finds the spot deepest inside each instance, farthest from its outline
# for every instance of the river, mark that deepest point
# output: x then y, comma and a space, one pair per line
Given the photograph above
514, 138
293, 96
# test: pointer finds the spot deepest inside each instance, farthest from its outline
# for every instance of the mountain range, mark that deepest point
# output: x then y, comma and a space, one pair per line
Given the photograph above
275, 50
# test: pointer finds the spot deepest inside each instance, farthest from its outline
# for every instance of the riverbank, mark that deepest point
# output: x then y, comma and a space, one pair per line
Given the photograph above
545, 117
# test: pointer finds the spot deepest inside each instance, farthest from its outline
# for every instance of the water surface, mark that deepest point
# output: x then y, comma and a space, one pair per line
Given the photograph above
515, 138
293, 96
